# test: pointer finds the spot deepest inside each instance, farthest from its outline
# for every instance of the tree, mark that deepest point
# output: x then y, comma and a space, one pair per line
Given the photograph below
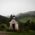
10, 17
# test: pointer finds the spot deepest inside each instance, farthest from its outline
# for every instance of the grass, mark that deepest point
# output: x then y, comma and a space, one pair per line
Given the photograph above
21, 33
18, 33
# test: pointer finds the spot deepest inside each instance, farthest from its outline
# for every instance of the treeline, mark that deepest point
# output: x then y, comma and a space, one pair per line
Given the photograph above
29, 25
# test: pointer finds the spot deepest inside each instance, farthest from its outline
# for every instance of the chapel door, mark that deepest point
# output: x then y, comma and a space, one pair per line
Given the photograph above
13, 25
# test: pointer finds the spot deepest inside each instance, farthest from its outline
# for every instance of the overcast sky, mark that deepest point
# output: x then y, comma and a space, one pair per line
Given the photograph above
15, 7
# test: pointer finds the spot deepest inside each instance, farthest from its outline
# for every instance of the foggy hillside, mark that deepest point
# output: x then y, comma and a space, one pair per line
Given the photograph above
30, 13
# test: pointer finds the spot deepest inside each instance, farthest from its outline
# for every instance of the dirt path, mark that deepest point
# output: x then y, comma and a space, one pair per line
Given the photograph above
3, 33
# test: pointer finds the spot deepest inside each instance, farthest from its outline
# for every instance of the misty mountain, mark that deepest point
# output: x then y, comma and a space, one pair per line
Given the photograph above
30, 14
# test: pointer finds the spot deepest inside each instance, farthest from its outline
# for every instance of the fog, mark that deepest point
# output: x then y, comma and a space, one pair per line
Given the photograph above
14, 7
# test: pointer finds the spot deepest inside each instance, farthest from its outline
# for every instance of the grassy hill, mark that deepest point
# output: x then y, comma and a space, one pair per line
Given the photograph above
23, 17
